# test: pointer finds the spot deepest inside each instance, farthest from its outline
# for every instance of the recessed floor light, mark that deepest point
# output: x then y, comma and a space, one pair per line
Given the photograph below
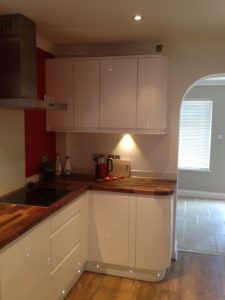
137, 18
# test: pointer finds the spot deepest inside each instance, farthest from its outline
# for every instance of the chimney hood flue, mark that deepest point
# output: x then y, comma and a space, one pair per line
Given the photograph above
18, 65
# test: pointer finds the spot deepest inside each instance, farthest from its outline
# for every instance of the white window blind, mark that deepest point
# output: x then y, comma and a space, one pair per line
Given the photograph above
195, 134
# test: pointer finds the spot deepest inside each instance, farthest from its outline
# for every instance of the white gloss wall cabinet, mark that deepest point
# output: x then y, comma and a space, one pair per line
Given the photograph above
153, 232
152, 93
118, 91
115, 94
67, 238
25, 266
60, 85
86, 93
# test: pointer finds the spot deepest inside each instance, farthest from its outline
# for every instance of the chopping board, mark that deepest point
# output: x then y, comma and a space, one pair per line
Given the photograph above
121, 167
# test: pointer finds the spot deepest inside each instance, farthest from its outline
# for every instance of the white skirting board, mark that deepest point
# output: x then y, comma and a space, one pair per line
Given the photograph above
201, 194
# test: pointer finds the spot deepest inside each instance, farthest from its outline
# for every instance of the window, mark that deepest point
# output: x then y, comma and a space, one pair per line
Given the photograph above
195, 134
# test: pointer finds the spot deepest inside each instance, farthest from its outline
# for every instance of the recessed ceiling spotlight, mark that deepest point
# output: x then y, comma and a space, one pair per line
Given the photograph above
137, 18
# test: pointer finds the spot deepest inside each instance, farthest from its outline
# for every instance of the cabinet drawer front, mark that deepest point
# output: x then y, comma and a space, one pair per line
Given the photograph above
64, 276
25, 266
65, 239
65, 215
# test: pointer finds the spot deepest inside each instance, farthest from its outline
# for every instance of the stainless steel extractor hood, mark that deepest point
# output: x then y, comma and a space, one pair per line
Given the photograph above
18, 65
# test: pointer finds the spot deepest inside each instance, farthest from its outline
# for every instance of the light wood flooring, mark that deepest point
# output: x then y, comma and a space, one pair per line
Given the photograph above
193, 277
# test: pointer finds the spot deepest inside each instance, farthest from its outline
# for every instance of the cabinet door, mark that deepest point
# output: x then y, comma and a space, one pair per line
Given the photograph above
152, 93
118, 89
86, 94
25, 266
68, 247
109, 228
59, 85
153, 232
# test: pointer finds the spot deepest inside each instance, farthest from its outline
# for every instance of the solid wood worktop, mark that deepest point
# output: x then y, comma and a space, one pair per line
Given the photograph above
17, 219
135, 185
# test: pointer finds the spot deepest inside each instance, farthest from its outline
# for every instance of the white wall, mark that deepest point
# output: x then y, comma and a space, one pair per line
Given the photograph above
188, 62
12, 150
212, 181
143, 151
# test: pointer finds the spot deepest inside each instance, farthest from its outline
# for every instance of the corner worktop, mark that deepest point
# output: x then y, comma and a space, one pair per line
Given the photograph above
17, 219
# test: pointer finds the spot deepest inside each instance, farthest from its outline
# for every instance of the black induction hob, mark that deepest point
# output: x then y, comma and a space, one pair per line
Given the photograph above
35, 197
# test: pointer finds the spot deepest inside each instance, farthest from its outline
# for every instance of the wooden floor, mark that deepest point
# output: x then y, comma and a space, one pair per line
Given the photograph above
193, 277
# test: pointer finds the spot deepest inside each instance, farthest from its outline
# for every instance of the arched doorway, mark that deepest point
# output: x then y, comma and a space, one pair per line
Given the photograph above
201, 189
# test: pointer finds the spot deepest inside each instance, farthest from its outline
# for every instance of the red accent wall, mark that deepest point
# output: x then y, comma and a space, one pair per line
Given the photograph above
38, 141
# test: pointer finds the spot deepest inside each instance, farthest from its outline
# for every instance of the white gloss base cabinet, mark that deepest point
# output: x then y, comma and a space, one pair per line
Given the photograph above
25, 266
130, 235
45, 262
68, 252
120, 234
153, 232
109, 227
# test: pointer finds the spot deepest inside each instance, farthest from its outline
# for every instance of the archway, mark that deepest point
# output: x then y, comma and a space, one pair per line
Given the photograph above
201, 189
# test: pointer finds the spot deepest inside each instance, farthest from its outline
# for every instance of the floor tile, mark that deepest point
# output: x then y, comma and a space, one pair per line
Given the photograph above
201, 225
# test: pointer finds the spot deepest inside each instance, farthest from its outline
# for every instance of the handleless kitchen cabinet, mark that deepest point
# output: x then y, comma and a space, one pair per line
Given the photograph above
118, 91
25, 266
153, 233
86, 93
152, 93
130, 235
59, 86
109, 228
68, 246
123, 94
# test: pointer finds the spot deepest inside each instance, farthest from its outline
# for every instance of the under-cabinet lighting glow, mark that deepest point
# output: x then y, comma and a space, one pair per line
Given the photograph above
127, 142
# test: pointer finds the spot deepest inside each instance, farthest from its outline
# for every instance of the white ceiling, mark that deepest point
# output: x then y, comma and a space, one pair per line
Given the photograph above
107, 22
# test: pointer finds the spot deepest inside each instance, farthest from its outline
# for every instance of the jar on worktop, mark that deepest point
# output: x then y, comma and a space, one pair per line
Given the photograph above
58, 166
67, 166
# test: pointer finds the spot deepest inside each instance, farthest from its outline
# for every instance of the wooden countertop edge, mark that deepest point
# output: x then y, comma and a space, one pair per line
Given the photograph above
131, 190
41, 213
19, 231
